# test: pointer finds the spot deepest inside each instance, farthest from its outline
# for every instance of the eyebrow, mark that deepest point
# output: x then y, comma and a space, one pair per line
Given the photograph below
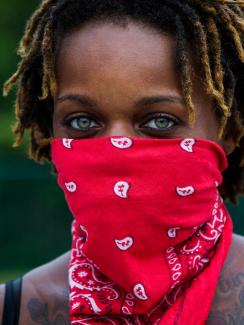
82, 99
85, 100
159, 99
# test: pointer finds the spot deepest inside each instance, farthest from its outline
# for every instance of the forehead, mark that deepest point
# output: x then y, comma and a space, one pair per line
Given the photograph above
134, 51
117, 38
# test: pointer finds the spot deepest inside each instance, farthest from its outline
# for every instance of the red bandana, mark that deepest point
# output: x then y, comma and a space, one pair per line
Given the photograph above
151, 232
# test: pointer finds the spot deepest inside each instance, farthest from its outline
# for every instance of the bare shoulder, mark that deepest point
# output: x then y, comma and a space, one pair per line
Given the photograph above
45, 294
228, 303
44, 297
235, 259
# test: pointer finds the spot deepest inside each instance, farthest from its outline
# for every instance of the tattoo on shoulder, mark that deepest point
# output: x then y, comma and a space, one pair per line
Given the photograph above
227, 285
228, 303
54, 313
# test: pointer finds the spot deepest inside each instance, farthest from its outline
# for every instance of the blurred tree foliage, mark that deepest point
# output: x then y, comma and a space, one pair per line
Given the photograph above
35, 221
13, 16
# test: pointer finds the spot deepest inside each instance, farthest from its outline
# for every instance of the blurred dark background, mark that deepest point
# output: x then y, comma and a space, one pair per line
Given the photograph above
34, 219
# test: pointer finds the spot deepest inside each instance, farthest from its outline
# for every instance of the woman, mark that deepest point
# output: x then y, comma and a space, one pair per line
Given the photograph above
158, 82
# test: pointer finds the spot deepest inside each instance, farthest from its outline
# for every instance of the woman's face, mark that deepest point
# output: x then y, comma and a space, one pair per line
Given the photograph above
115, 80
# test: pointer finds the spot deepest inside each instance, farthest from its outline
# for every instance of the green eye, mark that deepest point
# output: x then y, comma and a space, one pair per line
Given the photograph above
82, 123
161, 123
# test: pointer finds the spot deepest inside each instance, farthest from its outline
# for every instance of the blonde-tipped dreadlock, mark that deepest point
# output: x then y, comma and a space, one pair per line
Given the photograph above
212, 28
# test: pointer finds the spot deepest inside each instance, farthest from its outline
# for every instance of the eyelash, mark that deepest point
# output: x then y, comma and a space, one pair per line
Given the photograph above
174, 121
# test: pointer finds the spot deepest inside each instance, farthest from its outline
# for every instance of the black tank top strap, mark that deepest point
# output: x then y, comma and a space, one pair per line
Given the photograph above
12, 300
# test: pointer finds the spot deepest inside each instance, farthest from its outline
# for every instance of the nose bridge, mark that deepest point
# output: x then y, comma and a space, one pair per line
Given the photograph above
120, 127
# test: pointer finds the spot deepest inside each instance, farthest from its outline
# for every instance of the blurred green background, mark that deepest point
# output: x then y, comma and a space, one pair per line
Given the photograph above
34, 219
34, 222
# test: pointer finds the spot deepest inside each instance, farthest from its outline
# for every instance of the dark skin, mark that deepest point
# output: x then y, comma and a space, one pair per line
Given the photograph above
106, 75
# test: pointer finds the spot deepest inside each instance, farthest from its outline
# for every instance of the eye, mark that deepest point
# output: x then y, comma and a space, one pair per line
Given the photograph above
161, 122
82, 123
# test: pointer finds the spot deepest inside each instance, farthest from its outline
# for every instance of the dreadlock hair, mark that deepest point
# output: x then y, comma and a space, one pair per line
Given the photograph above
212, 28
